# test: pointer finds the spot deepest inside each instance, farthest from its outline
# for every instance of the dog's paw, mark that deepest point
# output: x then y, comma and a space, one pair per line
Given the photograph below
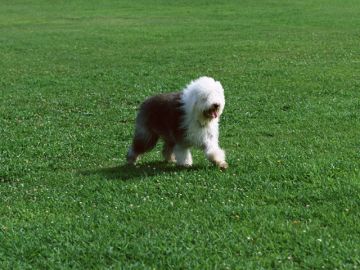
131, 157
185, 165
170, 158
223, 165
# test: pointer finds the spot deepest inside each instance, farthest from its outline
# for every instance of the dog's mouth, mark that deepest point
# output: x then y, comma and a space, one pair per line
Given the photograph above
213, 112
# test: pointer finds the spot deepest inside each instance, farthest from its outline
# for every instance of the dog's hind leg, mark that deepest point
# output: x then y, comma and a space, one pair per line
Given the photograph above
168, 151
183, 156
143, 142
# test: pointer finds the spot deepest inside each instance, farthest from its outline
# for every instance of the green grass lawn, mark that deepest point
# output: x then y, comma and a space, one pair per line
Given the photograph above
72, 74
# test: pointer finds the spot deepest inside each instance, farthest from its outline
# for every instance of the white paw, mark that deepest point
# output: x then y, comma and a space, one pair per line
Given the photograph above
184, 164
223, 165
171, 158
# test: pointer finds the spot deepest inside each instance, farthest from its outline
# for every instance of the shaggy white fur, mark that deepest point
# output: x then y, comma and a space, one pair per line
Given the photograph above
202, 131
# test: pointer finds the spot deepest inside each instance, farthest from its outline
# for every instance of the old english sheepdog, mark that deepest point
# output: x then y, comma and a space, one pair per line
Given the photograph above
182, 119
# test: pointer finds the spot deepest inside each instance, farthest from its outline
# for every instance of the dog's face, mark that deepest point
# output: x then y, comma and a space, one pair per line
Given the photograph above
210, 103
203, 100
213, 112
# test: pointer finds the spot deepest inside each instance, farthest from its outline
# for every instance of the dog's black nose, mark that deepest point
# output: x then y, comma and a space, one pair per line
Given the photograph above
216, 106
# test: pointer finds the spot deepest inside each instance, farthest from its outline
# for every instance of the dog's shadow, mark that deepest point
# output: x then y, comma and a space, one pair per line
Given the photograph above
141, 171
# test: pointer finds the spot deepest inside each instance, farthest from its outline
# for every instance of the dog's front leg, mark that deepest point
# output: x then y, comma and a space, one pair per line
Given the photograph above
183, 156
215, 154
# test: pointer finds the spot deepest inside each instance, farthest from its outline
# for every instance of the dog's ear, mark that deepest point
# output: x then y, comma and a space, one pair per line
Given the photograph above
219, 86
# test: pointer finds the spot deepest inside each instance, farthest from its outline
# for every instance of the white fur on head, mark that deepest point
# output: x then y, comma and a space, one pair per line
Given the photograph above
198, 97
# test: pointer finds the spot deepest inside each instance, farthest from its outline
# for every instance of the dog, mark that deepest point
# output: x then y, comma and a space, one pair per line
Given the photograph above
185, 119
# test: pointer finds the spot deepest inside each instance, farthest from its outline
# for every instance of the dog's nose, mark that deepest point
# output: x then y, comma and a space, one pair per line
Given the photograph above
216, 106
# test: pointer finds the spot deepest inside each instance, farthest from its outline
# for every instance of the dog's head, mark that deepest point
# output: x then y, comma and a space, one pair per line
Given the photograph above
205, 97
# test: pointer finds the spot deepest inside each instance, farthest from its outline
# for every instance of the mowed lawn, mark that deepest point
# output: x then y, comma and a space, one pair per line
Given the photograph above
72, 74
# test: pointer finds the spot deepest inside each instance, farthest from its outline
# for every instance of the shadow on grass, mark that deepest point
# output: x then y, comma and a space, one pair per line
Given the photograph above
130, 172
6, 179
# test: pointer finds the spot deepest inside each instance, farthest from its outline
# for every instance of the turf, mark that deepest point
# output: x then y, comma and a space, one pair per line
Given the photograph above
72, 74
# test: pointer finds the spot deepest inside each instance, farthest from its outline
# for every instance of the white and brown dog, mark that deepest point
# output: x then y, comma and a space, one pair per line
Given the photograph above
182, 119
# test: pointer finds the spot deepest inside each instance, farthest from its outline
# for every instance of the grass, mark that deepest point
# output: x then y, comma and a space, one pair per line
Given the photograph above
71, 77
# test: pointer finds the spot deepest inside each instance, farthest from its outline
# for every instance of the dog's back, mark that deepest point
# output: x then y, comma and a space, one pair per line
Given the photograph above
161, 114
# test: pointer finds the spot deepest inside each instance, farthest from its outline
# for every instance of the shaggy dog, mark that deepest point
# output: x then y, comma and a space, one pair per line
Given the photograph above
182, 119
